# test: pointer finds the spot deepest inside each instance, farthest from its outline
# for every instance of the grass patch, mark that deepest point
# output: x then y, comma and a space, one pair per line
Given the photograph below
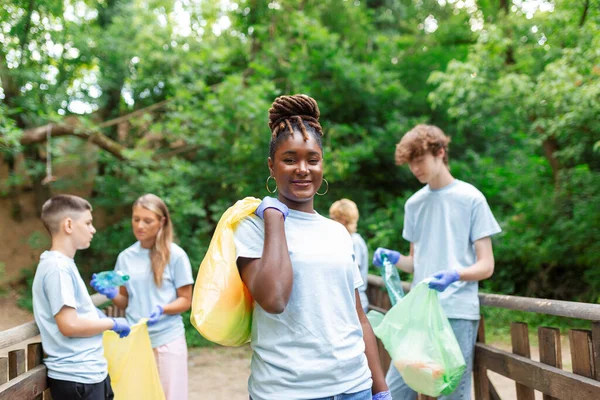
498, 320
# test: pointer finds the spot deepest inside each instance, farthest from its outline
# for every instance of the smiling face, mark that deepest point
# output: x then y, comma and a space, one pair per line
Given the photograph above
297, 167
146, 225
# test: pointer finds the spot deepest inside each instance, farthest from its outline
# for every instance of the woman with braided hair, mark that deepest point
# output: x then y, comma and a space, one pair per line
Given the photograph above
310, 336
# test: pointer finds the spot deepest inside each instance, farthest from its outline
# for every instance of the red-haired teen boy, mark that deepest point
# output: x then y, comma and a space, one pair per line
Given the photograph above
448, 224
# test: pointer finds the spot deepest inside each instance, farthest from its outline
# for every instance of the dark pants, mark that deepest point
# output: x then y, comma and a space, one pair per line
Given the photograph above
67, 390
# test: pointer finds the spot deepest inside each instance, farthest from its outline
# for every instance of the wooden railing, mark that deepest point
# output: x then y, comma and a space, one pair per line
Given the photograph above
22, 374
547, 375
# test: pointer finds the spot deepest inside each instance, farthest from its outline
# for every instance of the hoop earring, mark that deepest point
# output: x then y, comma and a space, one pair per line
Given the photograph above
326, 190
267, 185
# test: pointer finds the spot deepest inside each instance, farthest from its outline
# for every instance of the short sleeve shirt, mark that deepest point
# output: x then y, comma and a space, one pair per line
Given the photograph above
144, 294
57, 284
361, 253
443, 226
315, 347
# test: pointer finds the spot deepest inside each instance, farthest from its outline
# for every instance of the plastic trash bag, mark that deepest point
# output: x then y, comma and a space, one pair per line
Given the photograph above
421, 343
222, 305
131, 364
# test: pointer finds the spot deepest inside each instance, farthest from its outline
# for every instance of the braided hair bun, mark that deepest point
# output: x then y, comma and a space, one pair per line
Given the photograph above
289, 114
297, 110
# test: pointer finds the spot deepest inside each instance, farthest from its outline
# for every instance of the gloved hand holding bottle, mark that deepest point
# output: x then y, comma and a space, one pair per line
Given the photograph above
392, 255
108, 282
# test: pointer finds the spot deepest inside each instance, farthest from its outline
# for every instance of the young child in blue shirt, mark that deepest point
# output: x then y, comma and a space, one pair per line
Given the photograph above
448, 224
159, 288
70, 325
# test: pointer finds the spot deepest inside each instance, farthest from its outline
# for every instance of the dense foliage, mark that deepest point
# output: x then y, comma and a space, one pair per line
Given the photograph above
516, 84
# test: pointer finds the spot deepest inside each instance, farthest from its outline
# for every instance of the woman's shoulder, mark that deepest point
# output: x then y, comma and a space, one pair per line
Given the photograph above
250, 223
133, 249
177, 251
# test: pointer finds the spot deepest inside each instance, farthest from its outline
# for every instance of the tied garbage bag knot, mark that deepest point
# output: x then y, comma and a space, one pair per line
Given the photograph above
418, 336
222, 305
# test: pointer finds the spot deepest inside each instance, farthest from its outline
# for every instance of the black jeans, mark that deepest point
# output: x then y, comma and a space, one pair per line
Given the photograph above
67, 390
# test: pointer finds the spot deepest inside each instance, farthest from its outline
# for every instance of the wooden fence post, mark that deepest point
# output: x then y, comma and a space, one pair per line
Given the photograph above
550, 352
480, 379
596, 347
519, 333
582, 353
3, 370
16, 363
35, 354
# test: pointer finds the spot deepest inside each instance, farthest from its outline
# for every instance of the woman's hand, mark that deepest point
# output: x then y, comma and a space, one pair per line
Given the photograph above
383, 396
271, 202
157, 311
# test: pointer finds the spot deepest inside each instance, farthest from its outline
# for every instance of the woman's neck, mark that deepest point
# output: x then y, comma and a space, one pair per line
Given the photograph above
147, 244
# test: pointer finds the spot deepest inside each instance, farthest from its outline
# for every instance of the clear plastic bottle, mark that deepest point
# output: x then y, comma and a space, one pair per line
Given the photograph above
392, 281
107, 279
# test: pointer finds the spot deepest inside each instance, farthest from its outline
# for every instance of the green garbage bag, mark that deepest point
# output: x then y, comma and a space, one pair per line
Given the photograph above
417, 335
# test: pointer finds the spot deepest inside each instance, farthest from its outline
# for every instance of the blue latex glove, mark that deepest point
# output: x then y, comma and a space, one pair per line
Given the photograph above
383, 396
270, 202
101, 314
442, 280
392, 255
121, 326
110, 292
155, 315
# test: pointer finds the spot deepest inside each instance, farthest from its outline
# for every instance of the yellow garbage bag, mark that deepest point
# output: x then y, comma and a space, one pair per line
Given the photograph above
222, 305
131, 364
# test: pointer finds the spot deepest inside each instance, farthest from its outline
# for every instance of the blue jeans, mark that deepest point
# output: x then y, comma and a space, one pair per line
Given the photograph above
364, 395
466, 333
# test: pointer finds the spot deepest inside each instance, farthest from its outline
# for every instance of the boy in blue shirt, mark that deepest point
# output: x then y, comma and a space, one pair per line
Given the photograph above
448, 224
70, 325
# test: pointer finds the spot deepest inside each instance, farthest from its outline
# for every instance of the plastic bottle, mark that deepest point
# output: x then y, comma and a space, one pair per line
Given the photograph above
107, 279
392, 281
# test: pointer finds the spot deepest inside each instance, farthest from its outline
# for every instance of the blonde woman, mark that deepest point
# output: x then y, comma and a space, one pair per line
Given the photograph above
345, 212
159, 288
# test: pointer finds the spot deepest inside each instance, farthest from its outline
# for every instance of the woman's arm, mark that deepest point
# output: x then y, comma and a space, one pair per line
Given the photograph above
270, 277
371, 351
121, 300
182, 303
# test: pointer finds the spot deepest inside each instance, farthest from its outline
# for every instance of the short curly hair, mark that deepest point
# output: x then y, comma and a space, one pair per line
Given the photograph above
420, 140
345, 212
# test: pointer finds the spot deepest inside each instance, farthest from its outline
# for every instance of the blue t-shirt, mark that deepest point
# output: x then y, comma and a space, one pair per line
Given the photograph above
56, 284
315, 347
443, 225
361, 253
144, 295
